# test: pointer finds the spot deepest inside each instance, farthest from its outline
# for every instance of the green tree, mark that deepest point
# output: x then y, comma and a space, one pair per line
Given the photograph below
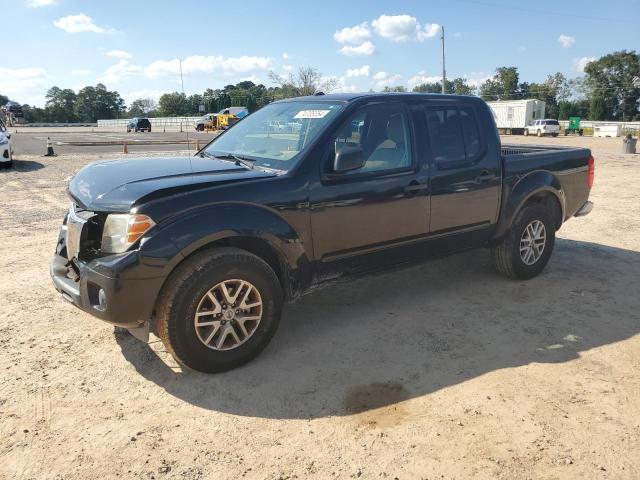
610, 85
458, 86
60, 105
598, 109
96, 103
398, 88
502, 86
173, 105
142, 107
3, 100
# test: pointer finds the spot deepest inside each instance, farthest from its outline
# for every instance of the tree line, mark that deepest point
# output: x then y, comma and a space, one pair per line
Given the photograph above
609, 90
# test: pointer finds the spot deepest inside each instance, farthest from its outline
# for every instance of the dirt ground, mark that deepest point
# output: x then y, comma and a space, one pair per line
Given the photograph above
445, 370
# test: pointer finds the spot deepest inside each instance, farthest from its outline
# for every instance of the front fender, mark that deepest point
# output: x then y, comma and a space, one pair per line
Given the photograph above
523, 189
206, 225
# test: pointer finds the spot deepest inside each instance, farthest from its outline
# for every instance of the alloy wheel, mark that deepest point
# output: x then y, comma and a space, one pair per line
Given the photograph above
532, 242
228, 314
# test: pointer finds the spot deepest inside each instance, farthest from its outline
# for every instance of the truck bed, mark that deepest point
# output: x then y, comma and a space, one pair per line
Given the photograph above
569, 165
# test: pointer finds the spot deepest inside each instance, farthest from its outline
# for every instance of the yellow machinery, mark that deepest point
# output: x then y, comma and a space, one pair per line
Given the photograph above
220, 121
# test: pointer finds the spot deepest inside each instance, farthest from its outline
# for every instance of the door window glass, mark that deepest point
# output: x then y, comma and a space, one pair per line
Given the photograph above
445, 134
382, 132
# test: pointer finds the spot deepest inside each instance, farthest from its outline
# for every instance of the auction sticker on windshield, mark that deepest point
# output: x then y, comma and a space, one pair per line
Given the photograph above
311, 113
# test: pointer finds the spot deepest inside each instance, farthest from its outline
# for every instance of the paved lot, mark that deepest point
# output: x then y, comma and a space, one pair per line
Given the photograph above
445, 370
32, 141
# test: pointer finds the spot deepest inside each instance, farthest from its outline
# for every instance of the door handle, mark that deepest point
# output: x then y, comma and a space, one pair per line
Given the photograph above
485, 176
416, 186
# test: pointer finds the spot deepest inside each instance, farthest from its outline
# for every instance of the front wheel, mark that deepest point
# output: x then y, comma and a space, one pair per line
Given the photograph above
525, 250
219, 309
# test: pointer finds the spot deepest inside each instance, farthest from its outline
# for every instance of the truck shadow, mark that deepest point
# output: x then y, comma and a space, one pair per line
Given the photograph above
368, 345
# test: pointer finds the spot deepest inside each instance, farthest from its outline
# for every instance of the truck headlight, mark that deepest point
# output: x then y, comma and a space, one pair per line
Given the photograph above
121, 230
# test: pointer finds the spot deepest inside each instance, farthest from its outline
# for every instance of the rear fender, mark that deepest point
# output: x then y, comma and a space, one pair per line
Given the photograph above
525, 188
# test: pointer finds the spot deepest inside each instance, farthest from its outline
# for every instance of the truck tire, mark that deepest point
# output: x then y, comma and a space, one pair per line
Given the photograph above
526, 248
526, 132
219, 309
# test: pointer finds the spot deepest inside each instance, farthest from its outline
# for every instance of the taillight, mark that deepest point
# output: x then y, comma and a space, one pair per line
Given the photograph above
591, 172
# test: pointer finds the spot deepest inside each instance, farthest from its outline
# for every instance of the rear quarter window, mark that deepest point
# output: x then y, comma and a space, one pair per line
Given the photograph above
454, 136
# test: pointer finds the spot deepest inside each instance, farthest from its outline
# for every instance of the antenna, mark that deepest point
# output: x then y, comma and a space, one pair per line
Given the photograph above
182, 85
444, 74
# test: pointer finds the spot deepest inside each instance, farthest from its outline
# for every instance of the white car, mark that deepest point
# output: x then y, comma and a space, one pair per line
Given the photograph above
543, 127
6, 151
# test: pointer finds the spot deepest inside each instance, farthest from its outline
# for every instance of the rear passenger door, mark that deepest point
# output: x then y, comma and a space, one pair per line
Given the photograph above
465, 174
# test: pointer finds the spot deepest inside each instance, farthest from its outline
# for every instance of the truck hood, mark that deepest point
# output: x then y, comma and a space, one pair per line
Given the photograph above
118, 185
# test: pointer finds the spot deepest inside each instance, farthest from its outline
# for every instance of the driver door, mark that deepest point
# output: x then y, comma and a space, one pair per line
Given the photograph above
363, 218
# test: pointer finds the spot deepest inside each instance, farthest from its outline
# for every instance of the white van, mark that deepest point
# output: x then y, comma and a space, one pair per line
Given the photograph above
6, 151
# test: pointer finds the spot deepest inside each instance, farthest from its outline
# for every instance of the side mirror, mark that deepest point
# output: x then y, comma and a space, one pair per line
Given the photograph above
348, 157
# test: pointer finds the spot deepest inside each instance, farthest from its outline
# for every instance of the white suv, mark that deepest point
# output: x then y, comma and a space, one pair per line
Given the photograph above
6, 151
543, 127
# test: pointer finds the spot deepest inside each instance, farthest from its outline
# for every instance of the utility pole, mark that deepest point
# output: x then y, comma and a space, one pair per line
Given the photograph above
444, 74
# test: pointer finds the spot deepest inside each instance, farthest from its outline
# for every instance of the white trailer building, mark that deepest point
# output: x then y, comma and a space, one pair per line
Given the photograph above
514, 115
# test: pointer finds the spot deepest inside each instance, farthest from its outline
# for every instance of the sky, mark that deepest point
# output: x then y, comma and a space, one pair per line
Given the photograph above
134, 47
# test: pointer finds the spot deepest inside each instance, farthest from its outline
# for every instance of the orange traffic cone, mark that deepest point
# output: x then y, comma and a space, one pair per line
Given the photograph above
125, 149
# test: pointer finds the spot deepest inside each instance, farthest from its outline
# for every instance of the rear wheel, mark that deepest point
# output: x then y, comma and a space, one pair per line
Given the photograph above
525, 250
219, 309
554, 135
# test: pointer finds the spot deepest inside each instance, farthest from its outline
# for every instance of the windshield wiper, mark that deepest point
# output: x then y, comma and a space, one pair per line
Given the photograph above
239, 160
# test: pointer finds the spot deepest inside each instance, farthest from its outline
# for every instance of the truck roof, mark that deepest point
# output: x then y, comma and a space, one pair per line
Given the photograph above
350, 97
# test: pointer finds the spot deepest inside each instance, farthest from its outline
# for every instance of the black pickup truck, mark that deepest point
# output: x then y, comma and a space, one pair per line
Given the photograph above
204, 250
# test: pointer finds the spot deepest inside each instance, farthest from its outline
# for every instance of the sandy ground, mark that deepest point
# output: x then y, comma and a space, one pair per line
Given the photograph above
445, 370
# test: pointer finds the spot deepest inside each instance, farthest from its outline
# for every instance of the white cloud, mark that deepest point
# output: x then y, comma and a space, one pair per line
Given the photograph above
288, 68
398, 28
362, 71
118, 54
41, 3
384, 79
80, 72
402, 28
24, 85
353, 35
343, 87
78, 23
580, 63
211, 64
566, 41
476, 79
429, 30
365, 49
286, 56
422, 78
116, 72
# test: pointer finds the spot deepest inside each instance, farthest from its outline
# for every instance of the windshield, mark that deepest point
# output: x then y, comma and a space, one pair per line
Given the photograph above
274, 136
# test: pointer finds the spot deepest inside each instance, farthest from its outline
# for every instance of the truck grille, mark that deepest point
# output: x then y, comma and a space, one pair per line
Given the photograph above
84, 232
